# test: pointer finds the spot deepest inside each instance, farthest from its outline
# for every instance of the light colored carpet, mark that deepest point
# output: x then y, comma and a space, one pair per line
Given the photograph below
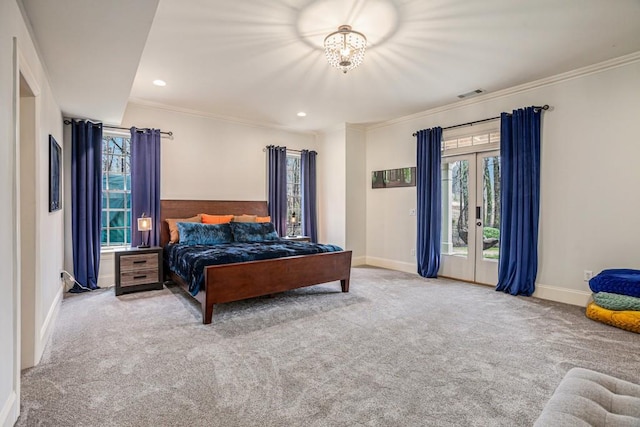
398, 350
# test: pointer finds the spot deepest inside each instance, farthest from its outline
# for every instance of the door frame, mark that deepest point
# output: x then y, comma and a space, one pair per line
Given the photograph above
473, 267
486, 270
451, 265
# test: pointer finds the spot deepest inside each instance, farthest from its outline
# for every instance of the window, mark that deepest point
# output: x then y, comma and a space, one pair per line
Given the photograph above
116, 190
294, 195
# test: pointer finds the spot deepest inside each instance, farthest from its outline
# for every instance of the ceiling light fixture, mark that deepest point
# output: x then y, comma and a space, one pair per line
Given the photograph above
302, 114
345, 48
160, 83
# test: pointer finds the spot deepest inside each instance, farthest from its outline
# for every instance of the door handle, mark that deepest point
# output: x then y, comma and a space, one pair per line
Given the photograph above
478, 213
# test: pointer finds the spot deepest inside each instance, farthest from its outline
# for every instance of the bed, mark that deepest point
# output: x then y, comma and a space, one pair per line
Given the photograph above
242, 280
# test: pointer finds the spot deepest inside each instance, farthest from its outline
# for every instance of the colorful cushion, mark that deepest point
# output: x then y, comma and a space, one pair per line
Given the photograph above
263, 219
254, 232
616, 301
245, 218
192, 233
621, 281
216, 219
628, 320
174, 234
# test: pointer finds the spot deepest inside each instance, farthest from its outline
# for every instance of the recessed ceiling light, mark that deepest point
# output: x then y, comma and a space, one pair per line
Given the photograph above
302, 114
159, 82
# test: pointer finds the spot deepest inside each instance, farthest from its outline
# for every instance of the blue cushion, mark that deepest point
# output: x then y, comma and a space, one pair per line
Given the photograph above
195, 233
254, 232
621, 281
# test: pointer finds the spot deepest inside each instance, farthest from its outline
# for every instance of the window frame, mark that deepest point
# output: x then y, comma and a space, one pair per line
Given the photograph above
105, 192
294, 229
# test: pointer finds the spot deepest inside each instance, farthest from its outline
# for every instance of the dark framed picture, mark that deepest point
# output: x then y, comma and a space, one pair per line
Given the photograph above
403, 177
55, 175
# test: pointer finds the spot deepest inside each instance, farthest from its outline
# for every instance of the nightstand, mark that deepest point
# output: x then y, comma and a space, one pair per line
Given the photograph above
297, 238
138, 269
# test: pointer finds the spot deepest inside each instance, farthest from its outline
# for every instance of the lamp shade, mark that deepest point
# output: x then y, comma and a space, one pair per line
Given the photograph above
145, 224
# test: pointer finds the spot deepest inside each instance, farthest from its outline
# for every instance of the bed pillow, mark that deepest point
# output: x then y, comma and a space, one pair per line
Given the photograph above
192, 233
216, 219
254, 232
263, 219
245, 218
174, 234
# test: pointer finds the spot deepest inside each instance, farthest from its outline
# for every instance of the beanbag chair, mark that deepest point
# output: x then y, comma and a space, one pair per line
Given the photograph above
616, 301
621, 281
628, 320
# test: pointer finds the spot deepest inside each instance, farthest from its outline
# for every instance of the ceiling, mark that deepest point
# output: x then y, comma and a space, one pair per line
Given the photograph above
262, 61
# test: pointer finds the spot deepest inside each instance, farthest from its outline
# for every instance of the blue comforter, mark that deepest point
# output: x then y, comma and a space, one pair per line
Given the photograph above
189, 261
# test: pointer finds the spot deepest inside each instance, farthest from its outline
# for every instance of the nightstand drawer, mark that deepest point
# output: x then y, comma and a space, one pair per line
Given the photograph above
139, 262
138, 269
138, 277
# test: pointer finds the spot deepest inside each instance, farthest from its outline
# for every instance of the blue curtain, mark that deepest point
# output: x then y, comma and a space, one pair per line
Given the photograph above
277, 200
429, 210
86, 202
520, 200
145, 183
308, 184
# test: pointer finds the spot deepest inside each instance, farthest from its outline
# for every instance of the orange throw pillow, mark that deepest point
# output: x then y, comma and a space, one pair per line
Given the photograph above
216, 219
174, 234
263, 219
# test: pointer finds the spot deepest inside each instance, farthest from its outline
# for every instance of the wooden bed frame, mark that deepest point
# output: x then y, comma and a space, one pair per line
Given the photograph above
238, 281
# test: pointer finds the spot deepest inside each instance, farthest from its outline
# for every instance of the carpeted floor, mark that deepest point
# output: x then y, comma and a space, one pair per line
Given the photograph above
398, 350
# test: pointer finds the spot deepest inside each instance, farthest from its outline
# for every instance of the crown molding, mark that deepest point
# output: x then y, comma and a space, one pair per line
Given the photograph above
230, 119
547, 81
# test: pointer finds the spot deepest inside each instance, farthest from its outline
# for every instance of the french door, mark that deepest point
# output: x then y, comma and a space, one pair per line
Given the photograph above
471, 217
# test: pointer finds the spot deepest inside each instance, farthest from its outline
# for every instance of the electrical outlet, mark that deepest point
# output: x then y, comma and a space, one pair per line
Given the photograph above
413, 252
412, 212
587, 275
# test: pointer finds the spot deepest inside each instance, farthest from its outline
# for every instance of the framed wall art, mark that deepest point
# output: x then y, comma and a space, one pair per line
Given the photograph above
403, 177
55, 175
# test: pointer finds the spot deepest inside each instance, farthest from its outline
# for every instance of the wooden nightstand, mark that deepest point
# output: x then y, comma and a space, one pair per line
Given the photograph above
138, 269
297, 238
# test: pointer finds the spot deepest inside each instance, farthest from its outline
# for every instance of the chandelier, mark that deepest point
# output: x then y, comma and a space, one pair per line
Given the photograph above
345, 48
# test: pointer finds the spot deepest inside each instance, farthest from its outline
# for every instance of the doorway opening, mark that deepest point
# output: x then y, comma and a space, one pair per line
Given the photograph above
470, 247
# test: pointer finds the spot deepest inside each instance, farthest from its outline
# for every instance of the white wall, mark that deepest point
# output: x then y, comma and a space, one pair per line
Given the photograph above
331, 169
211, 158
589, 175
356, 184
48, 227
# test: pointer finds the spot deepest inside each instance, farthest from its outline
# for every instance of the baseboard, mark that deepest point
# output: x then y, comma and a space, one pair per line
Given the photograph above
9, 414
47, 326
406, 267
359, 260
564, 295
106, 281
551, 293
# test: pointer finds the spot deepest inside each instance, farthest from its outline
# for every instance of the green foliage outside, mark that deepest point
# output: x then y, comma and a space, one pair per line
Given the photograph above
491, 233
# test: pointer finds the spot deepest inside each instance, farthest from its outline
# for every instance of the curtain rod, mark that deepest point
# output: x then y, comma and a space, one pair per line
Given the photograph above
288, 149
535, 107
170, 134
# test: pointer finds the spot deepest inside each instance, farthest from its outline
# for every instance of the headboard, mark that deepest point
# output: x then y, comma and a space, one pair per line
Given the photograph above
189, 208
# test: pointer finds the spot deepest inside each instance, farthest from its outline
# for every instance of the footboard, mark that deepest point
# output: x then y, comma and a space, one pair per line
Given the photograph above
233, 282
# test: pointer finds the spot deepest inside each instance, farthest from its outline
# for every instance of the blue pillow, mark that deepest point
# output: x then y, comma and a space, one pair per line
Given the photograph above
195, 233
253, 232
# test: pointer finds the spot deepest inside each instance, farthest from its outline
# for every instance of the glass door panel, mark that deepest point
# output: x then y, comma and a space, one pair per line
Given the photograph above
458, 196
488, 217
471, 217
491, 207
